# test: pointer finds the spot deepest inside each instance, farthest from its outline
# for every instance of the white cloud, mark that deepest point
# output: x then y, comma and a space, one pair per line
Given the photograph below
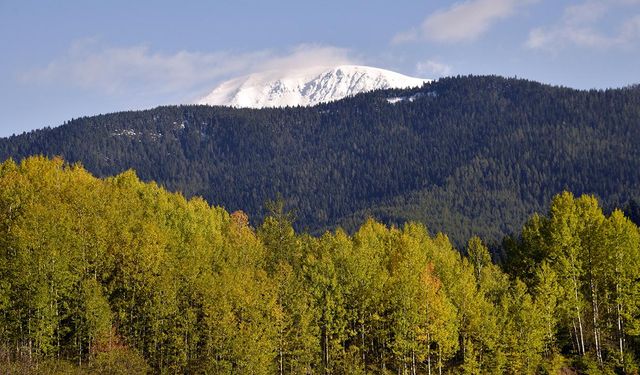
630, 30
306, 55
556, 38
465, 21
138, 70
580, 27
433, 68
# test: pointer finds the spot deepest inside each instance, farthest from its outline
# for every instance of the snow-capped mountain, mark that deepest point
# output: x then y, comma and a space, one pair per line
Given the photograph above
305, 87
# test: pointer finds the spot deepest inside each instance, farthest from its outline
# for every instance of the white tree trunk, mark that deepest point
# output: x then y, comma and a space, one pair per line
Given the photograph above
620, 331
578, 315
596, 332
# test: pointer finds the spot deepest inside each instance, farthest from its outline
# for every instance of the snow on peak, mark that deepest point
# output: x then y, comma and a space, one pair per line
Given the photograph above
305, 87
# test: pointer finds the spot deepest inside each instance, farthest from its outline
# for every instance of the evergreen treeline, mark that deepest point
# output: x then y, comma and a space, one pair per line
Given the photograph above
120, 276
469, 156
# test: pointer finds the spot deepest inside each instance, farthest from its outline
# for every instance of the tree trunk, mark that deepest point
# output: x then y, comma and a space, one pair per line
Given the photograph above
325, 347
596, 331
364, 358
581, 333
413, 362
428, 354
620, 332
576, 343
578, 315
439, 359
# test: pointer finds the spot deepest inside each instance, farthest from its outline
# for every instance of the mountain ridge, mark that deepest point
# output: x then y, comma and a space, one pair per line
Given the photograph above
469, 155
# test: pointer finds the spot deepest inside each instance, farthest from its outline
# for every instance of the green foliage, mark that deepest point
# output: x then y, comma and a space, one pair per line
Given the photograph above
554, 364
92, 266
119, 276
585, 278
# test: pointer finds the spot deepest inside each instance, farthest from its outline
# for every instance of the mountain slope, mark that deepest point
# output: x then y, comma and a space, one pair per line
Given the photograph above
468, 155
305, 87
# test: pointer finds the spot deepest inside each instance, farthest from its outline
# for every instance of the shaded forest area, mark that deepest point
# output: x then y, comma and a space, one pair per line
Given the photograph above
120, 276
469, 156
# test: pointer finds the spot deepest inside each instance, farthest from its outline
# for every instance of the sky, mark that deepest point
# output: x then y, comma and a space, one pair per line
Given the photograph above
66, 59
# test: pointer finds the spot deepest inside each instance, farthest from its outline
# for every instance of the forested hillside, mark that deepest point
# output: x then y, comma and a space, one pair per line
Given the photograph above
117, 276
466, 155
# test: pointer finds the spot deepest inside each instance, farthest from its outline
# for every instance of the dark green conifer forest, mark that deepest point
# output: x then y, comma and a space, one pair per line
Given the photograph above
468, 156
119, 276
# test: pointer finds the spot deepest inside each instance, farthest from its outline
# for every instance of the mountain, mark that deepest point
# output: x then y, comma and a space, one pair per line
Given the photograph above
465, 155
305, 87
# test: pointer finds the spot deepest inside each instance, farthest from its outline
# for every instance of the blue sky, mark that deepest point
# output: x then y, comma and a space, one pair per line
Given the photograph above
66, 59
